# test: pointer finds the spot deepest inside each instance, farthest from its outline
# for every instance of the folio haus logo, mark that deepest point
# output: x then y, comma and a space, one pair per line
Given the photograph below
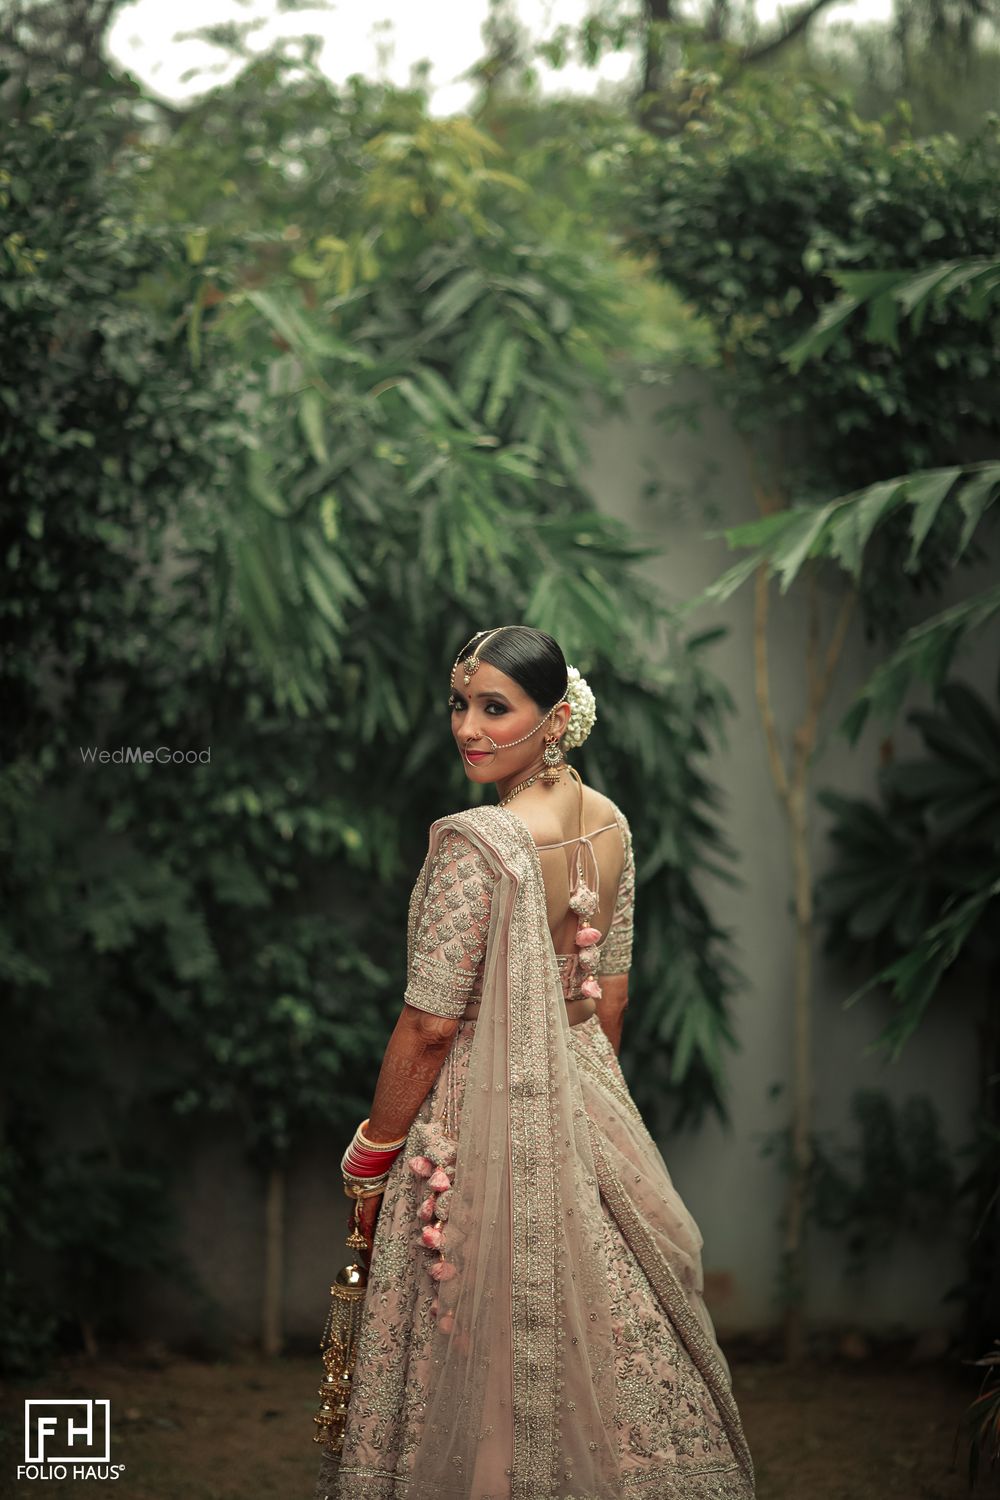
68, 1439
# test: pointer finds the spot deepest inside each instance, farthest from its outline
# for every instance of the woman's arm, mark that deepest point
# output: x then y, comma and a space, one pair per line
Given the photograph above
418, 1047
416, 1050
616, 950
448, 945
610, 1008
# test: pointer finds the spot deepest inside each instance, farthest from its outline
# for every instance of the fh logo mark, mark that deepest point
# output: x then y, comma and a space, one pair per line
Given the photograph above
44, 1431
67, 1439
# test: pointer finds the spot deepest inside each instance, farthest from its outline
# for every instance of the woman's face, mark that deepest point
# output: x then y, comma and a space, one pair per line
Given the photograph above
495, 705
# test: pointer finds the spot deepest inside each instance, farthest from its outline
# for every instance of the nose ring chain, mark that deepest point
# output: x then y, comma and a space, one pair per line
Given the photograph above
509, 744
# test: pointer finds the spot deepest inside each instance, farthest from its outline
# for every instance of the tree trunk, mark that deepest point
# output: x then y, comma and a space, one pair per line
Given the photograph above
793, 787
802, 1078
653, 114
273, 1338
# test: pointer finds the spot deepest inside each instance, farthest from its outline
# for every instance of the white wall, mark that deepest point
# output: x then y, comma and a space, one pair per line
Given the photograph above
735, 1194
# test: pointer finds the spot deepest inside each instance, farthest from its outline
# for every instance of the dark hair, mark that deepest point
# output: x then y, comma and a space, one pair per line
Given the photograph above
532, 658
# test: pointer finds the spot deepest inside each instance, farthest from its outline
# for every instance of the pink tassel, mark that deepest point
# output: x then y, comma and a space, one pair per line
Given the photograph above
439, 1180
586, 936
431, 1236
443, 1205
585, 902
591, 988
442, 1270
438, 1146
425, 1213
420, 1166
435, 1306
447, 1322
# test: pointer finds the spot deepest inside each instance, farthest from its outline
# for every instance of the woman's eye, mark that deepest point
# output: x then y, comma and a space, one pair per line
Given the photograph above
457, 704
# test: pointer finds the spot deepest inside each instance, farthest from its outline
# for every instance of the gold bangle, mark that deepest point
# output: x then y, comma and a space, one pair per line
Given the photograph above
378, 1145
356, 1192
377, 1178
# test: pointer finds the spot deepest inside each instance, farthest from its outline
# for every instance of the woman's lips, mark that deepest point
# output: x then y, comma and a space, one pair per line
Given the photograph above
477, 755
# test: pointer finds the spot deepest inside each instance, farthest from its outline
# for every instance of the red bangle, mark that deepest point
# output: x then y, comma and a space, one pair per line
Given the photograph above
361, 1154
367, 1165
362, 1169
350, 1170
364, 1160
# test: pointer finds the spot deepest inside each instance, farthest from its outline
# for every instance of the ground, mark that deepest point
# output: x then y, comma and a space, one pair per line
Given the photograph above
242, 1429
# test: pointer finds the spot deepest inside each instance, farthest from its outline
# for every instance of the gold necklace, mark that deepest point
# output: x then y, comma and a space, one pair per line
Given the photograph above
520, 788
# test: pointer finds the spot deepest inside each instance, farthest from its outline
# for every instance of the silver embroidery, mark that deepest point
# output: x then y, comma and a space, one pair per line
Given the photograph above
447, 926
678, 1429
616, 950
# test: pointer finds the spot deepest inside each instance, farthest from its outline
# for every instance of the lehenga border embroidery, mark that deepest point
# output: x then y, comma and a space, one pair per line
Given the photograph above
707, 1485
674, 1299
535, 1342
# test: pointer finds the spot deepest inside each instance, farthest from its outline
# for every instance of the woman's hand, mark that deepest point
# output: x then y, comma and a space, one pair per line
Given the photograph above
366, 1215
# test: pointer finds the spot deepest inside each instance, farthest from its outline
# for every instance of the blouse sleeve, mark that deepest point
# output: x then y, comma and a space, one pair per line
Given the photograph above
616, 950
449, 927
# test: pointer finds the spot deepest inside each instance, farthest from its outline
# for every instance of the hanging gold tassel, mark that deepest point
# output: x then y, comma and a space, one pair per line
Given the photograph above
339, 1348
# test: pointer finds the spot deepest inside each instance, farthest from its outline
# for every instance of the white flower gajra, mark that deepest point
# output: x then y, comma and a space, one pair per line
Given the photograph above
583, 710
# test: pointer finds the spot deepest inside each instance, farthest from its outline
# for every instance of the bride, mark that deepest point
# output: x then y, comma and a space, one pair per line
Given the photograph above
534, 1326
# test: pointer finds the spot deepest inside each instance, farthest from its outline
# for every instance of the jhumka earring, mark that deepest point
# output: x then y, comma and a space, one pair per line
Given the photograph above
552, 760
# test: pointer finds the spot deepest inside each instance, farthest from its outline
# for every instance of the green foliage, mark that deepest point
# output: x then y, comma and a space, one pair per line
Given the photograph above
416, 380
100, 435
257, 472
42, 39
981, 1422
100, 1219
898, 1181
916, 880
943, 70
753, 211
939, 510
434, 356
926, 650
165, 907
766, 198
936, 512
914, 895
888, 295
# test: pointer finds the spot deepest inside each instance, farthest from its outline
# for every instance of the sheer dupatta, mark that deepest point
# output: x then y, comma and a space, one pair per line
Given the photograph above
522, 1402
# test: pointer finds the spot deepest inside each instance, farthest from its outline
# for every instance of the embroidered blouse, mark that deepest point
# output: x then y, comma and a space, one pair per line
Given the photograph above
616, 949
451, 925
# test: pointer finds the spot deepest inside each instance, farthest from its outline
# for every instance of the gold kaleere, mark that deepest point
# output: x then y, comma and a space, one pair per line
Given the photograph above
339, 1347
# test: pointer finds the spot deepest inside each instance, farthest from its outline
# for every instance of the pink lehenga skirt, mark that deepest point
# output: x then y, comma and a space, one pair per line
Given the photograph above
678, 1432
